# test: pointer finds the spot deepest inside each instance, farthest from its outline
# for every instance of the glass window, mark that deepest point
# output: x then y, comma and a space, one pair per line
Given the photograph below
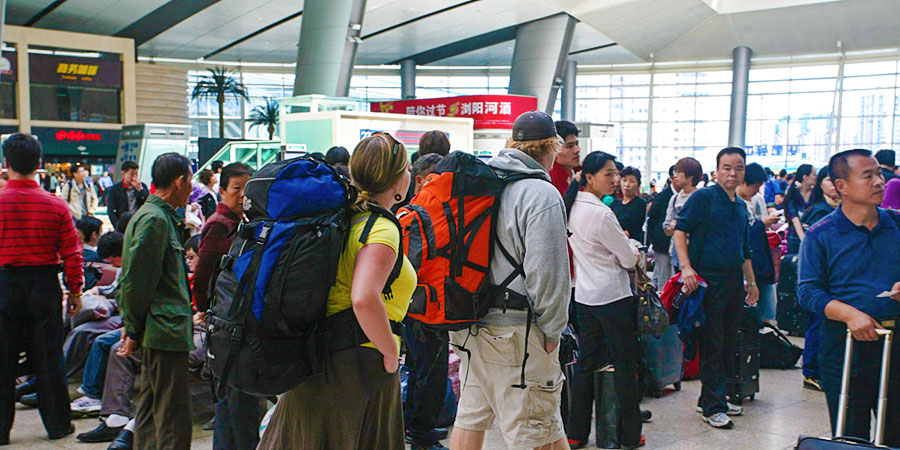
7, 100
868, 103
581, 80
870, 68
880, 81
74, 103
805, 72
781, 73
811, 105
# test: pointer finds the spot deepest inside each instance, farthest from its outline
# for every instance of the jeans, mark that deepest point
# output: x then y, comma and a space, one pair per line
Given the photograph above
722, 305
662, 269
237, 422
427, 360
604, 330
766, 307
95, 367
811, 345
863, 382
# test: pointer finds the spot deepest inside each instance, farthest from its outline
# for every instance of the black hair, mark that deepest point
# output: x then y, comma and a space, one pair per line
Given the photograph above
593, 163
205, 176
233, 170
886, 157
705, 179
75, 168
337, 155
217, 165
730, 151
168, 167
88, 226
838, 166
619, 167
818, 195
425, 165
22, 152
122, 224
671, 170
434, 142
129, 165
794, 189
193, 243
631, 171
414, 157
110, 245
769, 172
782, 173
564, 129
754, 174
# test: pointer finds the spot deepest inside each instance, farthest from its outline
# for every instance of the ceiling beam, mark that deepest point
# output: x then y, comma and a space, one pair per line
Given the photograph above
416, 19
463, 46
44, 12
163, 18
599, 47
255, 33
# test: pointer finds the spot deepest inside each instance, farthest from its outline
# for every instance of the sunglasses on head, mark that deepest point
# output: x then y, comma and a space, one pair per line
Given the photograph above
392, 138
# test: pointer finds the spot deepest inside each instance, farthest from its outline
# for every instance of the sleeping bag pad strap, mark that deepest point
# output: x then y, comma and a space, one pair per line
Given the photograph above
376, 212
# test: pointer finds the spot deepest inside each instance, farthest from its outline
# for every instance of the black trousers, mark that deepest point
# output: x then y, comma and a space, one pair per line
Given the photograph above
722, 305
427, 359
864, 382
603, 330
237, 422
31, 320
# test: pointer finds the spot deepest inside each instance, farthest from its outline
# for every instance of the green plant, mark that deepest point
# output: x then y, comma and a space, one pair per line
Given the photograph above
265, 115
219, 83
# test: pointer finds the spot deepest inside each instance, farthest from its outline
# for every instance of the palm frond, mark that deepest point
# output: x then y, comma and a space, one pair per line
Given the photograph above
265, 114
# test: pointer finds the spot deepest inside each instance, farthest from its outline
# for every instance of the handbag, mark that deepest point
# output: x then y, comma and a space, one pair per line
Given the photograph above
651, 314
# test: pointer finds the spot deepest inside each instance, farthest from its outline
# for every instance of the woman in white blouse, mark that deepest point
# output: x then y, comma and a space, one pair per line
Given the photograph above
605, 308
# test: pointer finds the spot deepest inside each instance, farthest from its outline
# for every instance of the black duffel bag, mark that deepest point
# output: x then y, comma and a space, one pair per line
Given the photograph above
776, 351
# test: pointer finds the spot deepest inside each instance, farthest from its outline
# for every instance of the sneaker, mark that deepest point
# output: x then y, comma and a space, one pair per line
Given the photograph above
209, 426
812, 383
29, 400
733, 410
435, 446
573, 444
86, 405
80, 390
719, 420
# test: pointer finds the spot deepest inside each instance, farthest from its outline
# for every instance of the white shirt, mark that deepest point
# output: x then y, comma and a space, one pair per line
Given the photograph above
601, 252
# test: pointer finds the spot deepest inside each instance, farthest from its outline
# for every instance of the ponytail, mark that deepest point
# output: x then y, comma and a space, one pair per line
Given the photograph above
794, 187
572, 193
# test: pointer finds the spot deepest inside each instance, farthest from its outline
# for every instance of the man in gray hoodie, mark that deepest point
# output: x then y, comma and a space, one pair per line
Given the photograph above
531, 229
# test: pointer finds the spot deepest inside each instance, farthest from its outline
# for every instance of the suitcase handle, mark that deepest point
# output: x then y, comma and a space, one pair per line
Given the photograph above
843, 404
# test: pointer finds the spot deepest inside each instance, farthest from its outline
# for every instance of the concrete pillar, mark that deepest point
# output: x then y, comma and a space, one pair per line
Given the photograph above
569, 91
740, 81
407, 79
539, 58
329, 37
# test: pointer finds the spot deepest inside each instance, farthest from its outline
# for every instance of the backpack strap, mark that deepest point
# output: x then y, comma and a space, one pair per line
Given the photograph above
376, 212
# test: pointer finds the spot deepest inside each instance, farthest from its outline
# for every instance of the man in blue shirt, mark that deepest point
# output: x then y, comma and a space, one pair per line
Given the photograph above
846, 260
719, 251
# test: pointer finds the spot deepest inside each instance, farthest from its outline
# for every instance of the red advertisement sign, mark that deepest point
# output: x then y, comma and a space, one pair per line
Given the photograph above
8, 65
489, 111
52, 69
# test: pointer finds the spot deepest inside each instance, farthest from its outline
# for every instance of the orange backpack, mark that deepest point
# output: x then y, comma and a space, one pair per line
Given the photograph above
448, 237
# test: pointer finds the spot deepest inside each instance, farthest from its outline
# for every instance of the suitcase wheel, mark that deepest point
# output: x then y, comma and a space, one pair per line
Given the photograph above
677, 386
752, 397
657, 393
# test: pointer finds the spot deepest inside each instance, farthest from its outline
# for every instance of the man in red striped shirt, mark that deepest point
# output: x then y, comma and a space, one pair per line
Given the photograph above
36, 231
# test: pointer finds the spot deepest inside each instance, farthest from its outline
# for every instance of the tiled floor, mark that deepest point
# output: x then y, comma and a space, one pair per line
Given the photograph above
782, 411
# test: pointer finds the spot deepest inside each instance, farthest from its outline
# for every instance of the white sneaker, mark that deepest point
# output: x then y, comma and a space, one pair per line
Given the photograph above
733, 410
719, 420
86, 404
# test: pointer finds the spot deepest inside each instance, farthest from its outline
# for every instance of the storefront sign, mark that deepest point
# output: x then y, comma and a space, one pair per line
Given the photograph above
52, 69
77, 136
8, 64
77, 142
489, 111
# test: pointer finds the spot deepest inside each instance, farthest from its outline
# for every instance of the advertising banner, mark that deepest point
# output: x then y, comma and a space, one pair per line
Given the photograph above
52, 69
488, 111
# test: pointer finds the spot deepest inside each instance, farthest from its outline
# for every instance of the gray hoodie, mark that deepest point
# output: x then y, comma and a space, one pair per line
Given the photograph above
532, 226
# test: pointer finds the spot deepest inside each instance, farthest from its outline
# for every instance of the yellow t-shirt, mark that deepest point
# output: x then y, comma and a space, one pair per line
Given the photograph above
383, 232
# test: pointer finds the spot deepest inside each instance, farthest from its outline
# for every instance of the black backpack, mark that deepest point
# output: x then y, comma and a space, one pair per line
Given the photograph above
266, 328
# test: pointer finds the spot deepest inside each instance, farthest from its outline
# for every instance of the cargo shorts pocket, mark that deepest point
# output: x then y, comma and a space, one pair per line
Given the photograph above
499, 346
544, 395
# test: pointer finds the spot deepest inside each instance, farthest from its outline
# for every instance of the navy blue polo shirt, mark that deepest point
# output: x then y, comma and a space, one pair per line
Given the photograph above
718, 227
852, 264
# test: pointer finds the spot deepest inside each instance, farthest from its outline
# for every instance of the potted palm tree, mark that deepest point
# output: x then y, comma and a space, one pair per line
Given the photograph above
219, 83
265, 115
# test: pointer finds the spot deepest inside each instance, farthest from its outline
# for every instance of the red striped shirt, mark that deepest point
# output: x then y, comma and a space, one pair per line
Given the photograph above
36, 229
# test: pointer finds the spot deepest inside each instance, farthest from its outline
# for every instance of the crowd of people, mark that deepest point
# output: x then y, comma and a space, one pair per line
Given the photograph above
129, 311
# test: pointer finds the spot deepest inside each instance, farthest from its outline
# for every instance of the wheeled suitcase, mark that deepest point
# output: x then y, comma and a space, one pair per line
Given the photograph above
849, 443
742, 372
663, 357
790, 315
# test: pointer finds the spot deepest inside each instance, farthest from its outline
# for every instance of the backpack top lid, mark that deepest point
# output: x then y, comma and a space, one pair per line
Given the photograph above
294, 188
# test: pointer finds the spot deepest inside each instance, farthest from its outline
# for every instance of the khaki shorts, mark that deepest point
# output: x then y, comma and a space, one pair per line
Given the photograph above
527, 418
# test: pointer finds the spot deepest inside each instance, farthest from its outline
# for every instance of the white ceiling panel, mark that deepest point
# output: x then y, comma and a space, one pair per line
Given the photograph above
98, 16
19, 11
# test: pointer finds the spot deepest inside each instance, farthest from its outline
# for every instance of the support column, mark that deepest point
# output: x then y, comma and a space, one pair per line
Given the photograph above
542, 48
407, 79
569, 91
740, 81
329, 37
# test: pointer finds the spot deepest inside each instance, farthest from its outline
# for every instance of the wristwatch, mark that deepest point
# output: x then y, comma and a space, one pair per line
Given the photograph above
749, 283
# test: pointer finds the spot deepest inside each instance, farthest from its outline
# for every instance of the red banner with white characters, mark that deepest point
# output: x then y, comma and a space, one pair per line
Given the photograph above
489, 111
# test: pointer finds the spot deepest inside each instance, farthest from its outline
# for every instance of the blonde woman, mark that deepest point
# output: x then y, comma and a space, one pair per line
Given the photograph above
355, 402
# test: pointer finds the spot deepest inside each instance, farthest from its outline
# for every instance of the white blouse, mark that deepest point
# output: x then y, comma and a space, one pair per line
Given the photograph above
601, 251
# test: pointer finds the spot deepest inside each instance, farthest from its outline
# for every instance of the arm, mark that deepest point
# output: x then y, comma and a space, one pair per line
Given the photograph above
69, 248
112, 209
65, 194
141, 271
373, 266
694, 212
93, 202
141, 194
750, 283
609, 234
669, 222
546, 264
798, 227
213, 245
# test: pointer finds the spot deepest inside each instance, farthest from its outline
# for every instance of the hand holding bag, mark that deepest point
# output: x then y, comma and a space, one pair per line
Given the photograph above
651, 314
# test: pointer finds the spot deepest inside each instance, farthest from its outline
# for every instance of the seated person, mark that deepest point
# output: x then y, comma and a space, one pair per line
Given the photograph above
89, 229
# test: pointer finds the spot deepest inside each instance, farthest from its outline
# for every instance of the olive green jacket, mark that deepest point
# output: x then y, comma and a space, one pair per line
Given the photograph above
153, 292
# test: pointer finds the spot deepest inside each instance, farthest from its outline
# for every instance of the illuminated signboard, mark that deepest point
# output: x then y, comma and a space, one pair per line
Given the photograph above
67, 70
76, 136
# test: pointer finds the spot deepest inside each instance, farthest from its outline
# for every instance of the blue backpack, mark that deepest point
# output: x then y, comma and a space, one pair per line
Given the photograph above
266, 328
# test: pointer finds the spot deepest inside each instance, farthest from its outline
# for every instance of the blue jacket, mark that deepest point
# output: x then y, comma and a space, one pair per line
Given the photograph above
691, 319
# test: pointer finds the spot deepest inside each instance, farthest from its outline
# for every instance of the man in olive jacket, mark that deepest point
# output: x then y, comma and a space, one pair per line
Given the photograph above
156, 308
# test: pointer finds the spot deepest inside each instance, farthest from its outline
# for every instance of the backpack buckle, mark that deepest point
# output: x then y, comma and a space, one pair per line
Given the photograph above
263, 235
505, 301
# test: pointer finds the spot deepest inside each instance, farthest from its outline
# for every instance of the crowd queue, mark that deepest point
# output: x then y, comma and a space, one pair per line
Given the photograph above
132, 301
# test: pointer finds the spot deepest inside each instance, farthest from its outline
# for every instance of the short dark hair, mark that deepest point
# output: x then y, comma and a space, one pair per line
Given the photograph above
74, 169
129, 165
886, 157
631, 171
730, 151
216, 165
782, 173
205, 176
110, 245
619, 167
671, 170
769, 172
434, 142
168, 167
22, 152
838, 165
754, 174
337, 155
425, 164
690, 167
564, 129
88, 226
193, 243
122, 224
233, 170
